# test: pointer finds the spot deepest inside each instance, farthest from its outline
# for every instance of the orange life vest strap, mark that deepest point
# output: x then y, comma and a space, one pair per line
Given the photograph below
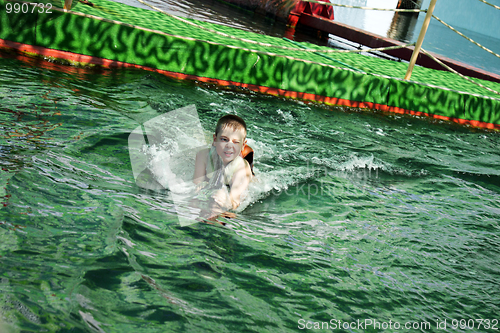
247, 154
246, 150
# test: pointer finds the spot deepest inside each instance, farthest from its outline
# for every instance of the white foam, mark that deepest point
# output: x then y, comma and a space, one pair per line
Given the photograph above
361, 162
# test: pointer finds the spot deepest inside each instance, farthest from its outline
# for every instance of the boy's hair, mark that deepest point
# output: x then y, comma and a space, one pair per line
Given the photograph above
231, 121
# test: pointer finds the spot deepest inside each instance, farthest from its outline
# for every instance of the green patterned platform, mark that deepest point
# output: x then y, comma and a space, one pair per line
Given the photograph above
147, 38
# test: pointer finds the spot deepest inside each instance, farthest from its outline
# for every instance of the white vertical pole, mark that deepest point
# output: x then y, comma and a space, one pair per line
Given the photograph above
420, 39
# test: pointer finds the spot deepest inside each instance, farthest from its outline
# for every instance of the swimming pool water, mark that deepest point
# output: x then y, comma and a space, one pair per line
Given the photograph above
358, 215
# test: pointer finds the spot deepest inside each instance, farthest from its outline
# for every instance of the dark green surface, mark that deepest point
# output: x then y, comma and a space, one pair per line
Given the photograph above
127, 44
401, 221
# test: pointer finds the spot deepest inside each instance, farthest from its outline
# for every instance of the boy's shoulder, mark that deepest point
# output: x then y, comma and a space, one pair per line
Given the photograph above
243, 167
203, 153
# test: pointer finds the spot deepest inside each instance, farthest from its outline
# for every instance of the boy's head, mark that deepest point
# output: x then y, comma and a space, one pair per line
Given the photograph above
230, 137
233, 122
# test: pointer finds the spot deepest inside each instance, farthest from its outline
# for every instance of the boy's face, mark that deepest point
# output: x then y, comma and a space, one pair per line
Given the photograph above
229, 144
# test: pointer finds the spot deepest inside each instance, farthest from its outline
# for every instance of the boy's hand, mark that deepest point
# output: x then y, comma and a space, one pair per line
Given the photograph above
221, 197
228, 215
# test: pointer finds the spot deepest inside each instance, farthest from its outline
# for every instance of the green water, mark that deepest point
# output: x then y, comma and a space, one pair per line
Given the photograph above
357, 216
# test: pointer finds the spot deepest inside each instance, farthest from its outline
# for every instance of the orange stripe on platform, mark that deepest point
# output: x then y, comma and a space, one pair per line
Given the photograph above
106, 63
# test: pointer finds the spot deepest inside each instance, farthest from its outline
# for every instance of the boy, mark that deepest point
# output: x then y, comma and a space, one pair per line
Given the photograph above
222, 167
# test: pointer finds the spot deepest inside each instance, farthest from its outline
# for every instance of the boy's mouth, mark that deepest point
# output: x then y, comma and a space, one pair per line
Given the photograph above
228, 154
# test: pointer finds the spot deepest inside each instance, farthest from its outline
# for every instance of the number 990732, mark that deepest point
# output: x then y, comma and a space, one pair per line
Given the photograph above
25, 7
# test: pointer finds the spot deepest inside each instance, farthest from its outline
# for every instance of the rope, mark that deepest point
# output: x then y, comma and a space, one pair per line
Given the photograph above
492, 5
469, 39
270, 45
369, 50
461, 75
415, 3
368, 8
327, 57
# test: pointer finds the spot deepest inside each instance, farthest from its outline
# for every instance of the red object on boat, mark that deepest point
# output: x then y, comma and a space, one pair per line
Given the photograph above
315, 9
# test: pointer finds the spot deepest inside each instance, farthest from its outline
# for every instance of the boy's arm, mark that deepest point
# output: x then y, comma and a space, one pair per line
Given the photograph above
200, 166
241, 180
